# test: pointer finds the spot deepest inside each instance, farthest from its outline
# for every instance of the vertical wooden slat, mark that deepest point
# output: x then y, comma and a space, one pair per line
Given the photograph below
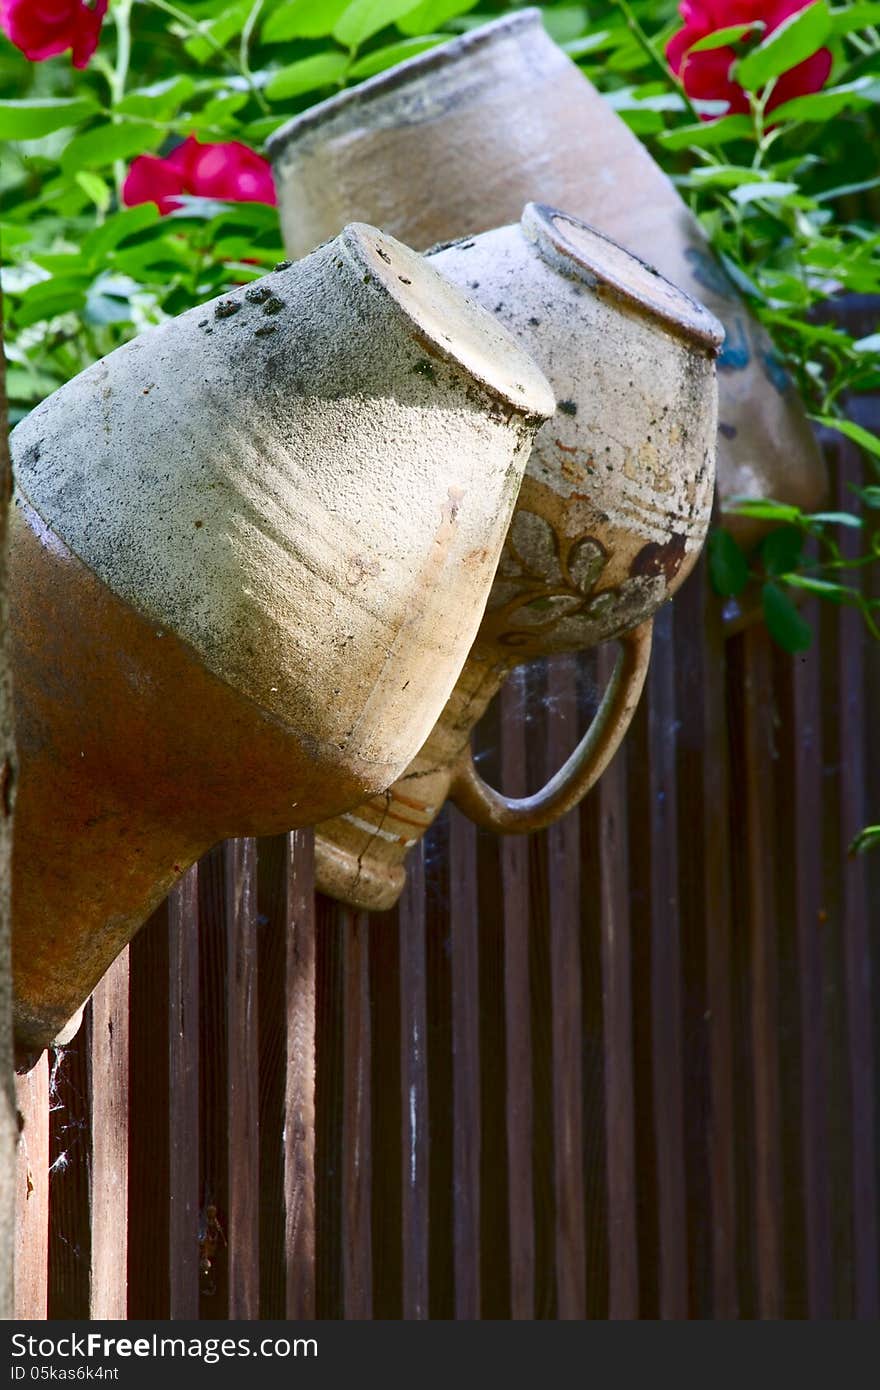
518, 1032
760, 815
109, 1176
31, 1269
717, 914
149, 1121
183, 1073
299, 1099
414, 1088
855, 813
620, 1164
666, 1003
563, 869
357, 1251
70, 1139
243, 1234
463, 922
808, 822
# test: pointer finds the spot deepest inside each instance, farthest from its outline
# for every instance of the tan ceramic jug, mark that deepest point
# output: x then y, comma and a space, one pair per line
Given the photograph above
458, 139
610, 519
249, 554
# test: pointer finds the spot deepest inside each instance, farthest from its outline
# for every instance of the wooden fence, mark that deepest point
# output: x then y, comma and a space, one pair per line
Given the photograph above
626, 1068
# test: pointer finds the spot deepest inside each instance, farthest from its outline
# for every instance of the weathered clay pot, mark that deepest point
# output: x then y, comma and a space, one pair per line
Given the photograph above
457, 140
250, 552
610, 519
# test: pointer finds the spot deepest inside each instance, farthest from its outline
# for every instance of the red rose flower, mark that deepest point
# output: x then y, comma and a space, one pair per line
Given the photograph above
42, 28
706, 76
230, 172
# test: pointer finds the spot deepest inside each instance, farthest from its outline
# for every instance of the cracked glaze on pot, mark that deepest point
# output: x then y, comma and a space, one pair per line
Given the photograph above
249, 554
613, 509
456, 141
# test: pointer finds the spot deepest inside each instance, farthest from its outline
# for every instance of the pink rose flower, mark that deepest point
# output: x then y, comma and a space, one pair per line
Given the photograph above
230, 172
42, 28
706, 76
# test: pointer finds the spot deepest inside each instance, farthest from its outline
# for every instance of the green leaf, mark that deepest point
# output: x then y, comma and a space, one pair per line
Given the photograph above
824, 106
564, 22
770, 189
781, 550
364, 18
722, 176
825, 589
722, 38
30, 120
430, 14
303, 19
870, 495
784, 622
98, 148
728, 566
383, 58
797, 38
60, 295
853, 17
764, 509
125, 223
158, 102
95, 188
869, 838
864, 438
321, 70
226, 26
705, 134
836, 519
220, 109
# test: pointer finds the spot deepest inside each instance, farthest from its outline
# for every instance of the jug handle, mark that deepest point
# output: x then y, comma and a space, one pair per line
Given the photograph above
519, 816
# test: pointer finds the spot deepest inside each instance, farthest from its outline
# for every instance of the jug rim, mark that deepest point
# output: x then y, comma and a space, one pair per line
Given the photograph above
458, 47
644, 288
451, 325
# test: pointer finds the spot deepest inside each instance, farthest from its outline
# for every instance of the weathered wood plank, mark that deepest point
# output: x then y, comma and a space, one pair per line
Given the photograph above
357, 1234
760, 817
31, 1270
620, 1162
518, 1028
666, 1001
109, 1174
463, 925
183, 1074
722, 1136
299, 1100
243, 1234
414, 1088
563, 870
807, 802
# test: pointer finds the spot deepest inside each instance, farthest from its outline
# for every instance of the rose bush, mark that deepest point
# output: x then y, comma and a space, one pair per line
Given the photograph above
43, 28
706, 74
228, 171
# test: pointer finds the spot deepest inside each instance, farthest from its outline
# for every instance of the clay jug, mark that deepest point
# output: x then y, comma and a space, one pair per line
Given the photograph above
250, 551
458, 139
610, 519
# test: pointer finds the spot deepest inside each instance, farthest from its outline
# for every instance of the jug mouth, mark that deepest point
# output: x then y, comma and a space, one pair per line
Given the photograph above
577, 248
443, 56
449, 325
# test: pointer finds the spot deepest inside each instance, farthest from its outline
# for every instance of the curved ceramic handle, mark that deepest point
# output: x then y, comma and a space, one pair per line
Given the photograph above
488, 808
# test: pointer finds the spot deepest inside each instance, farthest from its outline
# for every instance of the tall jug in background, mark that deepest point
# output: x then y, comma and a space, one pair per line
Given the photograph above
250, 551
456, 141
610, 519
